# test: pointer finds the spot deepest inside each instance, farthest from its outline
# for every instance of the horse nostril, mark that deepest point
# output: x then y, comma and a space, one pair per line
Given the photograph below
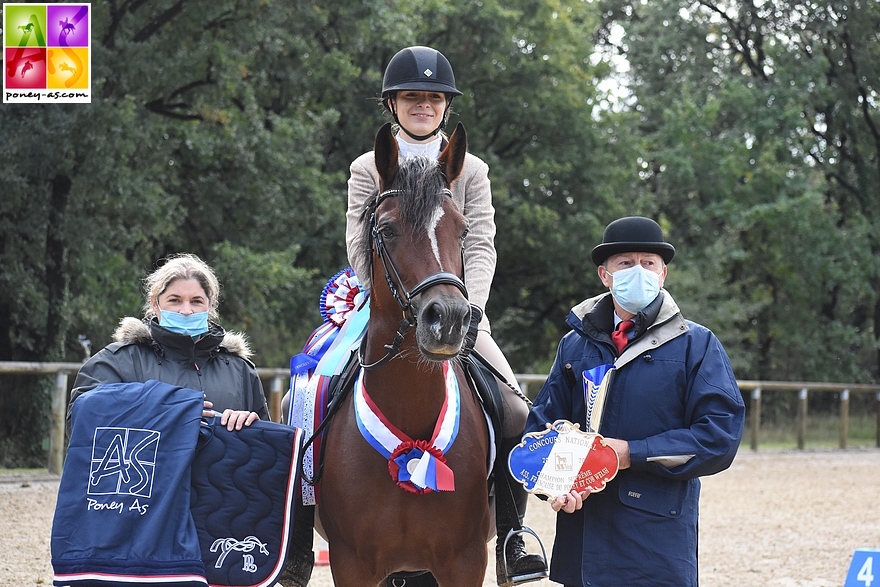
434, 315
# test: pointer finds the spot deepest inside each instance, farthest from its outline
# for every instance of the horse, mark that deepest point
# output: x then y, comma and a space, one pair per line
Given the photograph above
66, 27
375, 524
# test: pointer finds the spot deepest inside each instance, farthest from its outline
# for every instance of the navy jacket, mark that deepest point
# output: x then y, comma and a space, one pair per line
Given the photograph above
674, 398
217, 364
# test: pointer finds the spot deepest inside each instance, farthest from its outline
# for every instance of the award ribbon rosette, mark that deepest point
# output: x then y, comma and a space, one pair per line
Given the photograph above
563, 457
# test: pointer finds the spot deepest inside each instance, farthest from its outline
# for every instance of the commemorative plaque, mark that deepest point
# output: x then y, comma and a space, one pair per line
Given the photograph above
563, 457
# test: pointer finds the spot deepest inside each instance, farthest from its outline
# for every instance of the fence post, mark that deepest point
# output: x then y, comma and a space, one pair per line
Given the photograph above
844, 417
275, 400
802, 418
57, 424
878, 420
755, 419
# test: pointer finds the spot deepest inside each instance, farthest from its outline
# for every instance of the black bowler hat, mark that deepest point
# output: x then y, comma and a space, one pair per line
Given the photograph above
633, 234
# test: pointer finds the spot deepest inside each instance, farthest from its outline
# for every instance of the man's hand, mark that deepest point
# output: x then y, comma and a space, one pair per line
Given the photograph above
621, 447
569, 502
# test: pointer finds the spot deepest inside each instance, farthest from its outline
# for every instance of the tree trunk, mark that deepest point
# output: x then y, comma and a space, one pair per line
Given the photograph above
57, 277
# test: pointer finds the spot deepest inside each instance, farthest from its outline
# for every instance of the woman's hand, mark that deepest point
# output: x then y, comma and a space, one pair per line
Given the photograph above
232, 419
208, 412
235, 419
569, 502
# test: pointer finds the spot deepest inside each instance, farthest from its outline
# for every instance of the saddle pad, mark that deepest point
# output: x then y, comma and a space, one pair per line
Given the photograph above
122, 516
242, 500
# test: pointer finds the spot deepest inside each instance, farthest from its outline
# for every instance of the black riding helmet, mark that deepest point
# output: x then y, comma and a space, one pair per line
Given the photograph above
421, 69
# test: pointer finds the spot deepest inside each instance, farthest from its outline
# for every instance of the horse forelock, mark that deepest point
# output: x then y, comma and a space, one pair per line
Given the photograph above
421, 183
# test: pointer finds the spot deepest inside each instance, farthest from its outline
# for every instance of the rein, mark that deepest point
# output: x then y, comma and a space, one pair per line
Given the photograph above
398, 290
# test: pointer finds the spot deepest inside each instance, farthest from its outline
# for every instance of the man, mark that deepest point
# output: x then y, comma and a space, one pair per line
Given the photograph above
673, 413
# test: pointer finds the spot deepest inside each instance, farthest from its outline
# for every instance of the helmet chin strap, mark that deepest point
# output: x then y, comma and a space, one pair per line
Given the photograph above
422, 137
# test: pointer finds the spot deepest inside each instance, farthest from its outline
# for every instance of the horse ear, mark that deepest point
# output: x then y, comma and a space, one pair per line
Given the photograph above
386, 153
452, 157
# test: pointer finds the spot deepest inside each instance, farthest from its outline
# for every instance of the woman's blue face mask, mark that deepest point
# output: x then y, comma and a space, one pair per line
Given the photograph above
193, 325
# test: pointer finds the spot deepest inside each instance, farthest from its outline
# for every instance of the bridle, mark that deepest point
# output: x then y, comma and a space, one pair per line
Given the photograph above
403, 296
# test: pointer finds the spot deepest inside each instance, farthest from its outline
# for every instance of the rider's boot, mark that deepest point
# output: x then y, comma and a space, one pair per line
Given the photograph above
513, 565
300, 556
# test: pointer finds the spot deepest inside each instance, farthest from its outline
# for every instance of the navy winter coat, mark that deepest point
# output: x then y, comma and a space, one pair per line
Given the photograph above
674, 398
217, 364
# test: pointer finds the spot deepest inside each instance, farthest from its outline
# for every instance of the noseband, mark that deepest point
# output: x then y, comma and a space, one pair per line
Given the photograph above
403, 296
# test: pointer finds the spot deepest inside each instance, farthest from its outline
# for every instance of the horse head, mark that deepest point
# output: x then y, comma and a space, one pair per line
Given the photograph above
416, 235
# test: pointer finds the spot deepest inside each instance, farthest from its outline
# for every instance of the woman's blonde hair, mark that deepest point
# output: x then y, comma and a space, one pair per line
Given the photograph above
182, 266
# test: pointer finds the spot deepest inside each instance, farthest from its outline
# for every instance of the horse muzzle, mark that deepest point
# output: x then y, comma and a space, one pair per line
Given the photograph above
442, 324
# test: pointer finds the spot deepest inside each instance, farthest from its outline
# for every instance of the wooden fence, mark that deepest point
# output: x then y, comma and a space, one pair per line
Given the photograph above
275, 381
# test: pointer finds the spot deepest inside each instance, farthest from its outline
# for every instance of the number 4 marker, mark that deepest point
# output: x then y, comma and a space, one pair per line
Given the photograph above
861, 569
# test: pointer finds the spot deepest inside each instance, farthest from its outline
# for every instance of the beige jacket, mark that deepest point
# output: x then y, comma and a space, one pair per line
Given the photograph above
473, 196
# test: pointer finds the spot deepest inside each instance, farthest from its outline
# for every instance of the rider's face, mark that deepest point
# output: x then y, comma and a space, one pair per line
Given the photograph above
419, 112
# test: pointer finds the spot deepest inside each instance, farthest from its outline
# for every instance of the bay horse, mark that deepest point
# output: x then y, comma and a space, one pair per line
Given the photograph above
377, 525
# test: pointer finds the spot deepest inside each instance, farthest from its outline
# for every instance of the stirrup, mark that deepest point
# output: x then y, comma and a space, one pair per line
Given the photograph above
507, 580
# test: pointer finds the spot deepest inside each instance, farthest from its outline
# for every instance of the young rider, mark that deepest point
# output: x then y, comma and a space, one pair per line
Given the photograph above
417, 90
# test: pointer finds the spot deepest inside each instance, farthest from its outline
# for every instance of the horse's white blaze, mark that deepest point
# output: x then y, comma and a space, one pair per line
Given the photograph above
432, 234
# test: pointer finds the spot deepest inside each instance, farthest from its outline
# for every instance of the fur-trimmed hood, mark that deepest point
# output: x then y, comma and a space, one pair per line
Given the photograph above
136, 331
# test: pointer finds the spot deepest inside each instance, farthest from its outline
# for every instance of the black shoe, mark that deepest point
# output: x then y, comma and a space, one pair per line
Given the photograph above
518, 566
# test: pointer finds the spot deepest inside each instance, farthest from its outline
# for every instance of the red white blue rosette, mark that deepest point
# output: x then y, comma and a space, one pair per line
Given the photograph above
342, 294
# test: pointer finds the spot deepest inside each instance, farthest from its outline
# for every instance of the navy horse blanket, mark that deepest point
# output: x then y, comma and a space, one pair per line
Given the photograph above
152, 494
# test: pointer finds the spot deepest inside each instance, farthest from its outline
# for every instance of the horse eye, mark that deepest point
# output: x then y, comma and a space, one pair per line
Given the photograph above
386, 232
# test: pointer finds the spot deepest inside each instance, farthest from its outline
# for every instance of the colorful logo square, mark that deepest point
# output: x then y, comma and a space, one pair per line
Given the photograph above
25, 68
47, 53
68, 67
25, 25
67, 25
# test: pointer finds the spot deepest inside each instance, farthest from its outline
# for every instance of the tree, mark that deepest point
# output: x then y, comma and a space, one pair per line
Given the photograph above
763, 195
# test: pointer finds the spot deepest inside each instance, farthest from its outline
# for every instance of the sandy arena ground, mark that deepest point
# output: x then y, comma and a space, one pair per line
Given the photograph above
774, 519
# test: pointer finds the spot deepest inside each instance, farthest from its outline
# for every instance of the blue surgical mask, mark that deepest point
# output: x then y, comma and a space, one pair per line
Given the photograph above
634, 288
192, 325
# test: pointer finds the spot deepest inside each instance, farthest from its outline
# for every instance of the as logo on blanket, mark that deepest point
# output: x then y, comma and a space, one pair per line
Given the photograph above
122, 515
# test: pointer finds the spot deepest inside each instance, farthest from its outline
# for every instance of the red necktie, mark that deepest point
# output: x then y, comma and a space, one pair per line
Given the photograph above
619, 336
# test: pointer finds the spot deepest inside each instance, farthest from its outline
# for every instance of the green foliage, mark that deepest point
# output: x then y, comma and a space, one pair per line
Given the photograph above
226, 128
760, 150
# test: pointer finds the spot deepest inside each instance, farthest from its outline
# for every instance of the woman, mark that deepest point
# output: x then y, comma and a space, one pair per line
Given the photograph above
417, 90
180, 342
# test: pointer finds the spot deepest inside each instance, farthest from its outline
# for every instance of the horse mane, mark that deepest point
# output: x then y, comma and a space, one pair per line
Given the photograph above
421, 181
